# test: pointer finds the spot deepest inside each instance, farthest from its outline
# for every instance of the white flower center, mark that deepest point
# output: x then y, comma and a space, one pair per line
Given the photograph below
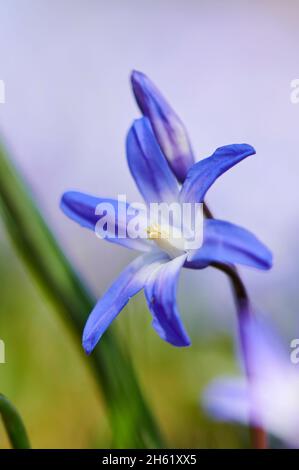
168, 239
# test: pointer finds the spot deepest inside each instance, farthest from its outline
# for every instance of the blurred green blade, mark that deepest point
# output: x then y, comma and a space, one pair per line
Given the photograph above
131, 420
13, 424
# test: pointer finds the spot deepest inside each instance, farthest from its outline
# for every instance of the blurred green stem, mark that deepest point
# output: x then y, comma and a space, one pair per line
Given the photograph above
131, 420
13, 424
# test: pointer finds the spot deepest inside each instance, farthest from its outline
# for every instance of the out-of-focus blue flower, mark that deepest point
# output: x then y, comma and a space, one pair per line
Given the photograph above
271, 398
157, 269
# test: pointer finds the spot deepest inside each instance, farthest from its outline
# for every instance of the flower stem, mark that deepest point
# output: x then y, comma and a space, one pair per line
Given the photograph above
257, 433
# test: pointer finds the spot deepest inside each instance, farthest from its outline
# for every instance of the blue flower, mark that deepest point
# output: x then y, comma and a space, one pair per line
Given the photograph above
169, 130
271, 398
157, 269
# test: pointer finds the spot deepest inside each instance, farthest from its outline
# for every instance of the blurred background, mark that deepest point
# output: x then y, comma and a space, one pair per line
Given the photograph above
226, 67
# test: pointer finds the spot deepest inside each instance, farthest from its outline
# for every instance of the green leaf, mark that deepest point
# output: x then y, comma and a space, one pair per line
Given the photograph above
131, 419
13, 424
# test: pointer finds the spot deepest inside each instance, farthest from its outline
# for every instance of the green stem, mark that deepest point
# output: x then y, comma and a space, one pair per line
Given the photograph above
13, 424
132, 422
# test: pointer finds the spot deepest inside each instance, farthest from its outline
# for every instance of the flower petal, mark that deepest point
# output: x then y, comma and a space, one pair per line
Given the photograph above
148, 166
167, 126
270, 398
203, 174
268, 360
131, 280
228, 400
160, 292
82, 208
228, 243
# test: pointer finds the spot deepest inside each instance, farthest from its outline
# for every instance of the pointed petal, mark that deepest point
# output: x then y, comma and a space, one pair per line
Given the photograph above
270, 398
131, 280
167, 126
268, 360
160, 292
204, 173
228, 243
274, 379
148, 166
83, 209
228, 400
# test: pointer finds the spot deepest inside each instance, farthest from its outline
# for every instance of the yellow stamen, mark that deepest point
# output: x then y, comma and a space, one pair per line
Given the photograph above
155, 232
165, 240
